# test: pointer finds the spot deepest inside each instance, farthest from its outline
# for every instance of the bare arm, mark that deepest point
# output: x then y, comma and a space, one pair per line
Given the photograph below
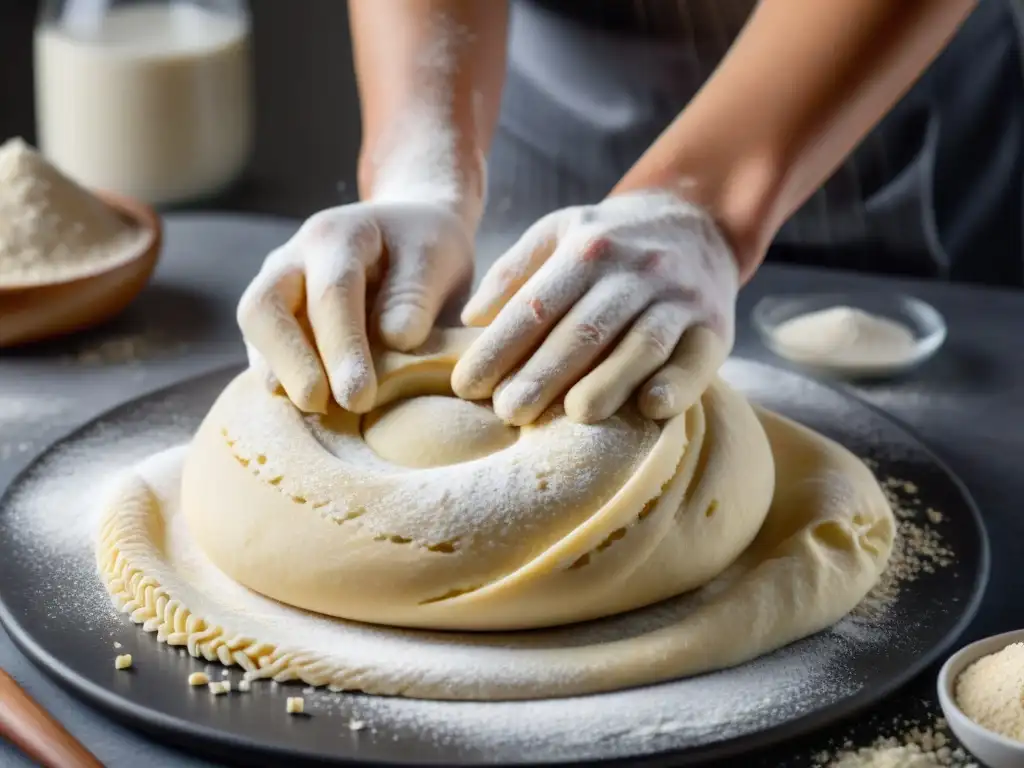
430, 75
801, 86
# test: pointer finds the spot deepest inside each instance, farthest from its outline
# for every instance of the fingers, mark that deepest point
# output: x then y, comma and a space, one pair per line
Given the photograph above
642, 351
683, 379
571, 348
419, 279
266, 315
521, 324
511, 271
336, 307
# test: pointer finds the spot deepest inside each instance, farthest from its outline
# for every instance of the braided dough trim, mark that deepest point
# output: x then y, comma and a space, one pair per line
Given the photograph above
124, 555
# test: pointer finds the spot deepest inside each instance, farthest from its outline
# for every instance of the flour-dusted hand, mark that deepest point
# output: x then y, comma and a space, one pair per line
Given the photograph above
305, 315
642, 286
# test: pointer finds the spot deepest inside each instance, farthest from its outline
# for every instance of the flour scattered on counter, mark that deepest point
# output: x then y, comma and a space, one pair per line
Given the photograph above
23, 414
29, 409
130, 349
51, 228
910, 744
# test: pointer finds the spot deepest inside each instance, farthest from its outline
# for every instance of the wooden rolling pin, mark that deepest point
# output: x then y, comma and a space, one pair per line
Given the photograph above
34, 731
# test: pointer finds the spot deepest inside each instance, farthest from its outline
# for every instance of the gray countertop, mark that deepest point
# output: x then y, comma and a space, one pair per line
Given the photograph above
967, 404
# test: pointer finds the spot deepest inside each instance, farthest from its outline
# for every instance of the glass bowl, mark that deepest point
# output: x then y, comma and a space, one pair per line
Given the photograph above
921, 319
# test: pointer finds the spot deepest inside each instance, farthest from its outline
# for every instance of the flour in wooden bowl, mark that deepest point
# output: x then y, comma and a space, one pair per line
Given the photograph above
51, 228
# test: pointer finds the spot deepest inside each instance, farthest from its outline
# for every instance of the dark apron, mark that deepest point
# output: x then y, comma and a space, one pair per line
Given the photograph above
937, 190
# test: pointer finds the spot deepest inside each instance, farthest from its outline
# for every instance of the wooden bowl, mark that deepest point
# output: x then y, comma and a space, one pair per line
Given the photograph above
44, 311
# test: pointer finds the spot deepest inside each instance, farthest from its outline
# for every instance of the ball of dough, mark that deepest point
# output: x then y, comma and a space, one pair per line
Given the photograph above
429, 512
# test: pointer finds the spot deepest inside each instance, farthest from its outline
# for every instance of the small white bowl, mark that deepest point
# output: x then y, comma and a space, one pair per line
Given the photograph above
991, 748
922, 319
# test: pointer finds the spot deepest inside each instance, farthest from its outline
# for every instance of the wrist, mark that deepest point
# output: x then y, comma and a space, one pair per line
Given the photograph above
739, 194
434, 165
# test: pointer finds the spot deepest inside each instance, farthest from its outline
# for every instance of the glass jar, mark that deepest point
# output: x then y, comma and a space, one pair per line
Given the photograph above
147, 98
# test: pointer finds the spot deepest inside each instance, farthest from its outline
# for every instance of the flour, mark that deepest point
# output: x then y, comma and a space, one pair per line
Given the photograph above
418, 159
845, 338
991, 692
30, 409
911, 744
23, 413
129, 349
51, 229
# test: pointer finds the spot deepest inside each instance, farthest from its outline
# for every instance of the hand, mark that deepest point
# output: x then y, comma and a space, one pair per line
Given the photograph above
304, 316
645, 277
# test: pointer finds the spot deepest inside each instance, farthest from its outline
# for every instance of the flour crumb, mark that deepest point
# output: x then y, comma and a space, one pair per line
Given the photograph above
357, 725
117, 644
198, 678
991, 692
911, 745
295, 705
51, 228
244, 686
218, 688
124, 661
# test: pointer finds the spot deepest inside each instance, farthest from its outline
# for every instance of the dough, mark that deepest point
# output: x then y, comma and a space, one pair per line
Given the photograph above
430, 513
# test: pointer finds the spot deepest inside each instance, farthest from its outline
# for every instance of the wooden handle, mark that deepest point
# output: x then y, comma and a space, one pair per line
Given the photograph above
29, 726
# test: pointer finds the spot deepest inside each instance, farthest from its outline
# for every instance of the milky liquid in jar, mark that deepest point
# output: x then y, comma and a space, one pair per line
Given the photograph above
151, 100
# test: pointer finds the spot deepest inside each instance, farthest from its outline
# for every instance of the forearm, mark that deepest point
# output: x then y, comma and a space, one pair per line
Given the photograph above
430, 74
800, 87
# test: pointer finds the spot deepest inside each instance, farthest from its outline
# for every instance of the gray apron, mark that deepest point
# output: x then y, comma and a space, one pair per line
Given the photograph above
592, 84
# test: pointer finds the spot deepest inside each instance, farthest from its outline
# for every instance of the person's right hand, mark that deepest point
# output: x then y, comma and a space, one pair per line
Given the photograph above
413, 255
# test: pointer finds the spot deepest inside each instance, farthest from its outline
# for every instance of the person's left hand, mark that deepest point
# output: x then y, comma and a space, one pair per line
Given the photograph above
645, 278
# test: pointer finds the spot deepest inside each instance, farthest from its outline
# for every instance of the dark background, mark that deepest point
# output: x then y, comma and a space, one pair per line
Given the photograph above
307, 114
